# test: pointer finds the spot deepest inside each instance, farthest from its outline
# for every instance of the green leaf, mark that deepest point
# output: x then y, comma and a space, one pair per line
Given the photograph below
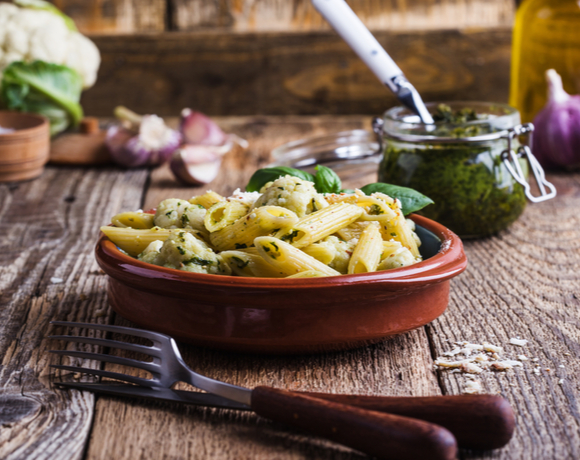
262, 176
47, 89
46, 6
411, 200
326, 180
348, 191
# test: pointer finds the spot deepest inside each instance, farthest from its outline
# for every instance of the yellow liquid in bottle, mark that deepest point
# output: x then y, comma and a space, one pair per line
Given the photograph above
546, 36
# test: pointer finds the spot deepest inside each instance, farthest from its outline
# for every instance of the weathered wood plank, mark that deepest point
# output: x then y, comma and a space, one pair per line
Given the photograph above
525, 283
47, 271
300, 15
285, 73
116, 16
398, 366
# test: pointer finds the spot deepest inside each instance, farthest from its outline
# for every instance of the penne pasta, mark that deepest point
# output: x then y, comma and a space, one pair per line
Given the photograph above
261, 221
287, 259
133, 220
352, 231
307, 274
224, 213
134, 241
286, 230
324, 252
320, 224
367, 252
207, 200
243, 263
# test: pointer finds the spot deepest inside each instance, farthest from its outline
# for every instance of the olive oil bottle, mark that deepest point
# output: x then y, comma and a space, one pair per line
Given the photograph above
546, 36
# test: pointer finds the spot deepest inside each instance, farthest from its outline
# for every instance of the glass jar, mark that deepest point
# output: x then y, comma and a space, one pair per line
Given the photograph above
546, 36
475, 172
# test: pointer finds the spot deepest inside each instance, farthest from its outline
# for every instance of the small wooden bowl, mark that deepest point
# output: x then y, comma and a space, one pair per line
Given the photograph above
271, 315
24, 152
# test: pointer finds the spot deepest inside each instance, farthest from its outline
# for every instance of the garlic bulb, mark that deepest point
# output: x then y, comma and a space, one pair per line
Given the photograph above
557, 127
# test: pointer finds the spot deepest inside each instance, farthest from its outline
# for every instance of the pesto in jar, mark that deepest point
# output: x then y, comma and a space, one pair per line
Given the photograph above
474, 193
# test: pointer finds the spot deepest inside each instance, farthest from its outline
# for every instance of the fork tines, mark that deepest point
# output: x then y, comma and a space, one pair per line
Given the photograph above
152, 351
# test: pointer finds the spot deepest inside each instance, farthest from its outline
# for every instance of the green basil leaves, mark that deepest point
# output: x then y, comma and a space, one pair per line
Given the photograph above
327, 181
411, 200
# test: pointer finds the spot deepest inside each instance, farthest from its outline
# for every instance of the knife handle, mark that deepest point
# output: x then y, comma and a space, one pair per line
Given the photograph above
476, 421
381, 435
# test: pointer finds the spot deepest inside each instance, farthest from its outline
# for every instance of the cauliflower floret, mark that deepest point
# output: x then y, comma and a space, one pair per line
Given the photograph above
176, 213
395, 256
292, 193
151, 252
184, 251
29, 33
343, 253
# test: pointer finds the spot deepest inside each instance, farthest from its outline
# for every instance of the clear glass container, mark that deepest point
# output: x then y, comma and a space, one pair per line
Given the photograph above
546, 36
475, 172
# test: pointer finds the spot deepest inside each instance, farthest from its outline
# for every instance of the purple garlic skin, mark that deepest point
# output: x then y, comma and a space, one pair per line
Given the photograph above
198, 129
145, 141
556, 140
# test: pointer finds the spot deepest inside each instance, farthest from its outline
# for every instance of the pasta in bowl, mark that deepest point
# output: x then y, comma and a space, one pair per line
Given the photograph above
277, 272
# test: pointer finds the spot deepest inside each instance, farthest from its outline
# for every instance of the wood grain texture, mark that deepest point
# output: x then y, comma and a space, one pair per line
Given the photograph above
285, 73
47, 271
525, 282
115, 16
300, 15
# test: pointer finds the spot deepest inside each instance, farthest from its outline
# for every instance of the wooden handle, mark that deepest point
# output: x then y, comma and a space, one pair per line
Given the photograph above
382, 435
476, 421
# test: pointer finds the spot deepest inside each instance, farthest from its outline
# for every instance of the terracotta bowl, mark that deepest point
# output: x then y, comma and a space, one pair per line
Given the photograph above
265, 315
24, 152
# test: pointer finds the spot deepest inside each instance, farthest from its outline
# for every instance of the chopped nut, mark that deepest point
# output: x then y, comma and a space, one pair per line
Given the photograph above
522, 357
472, 387
518, 342
471, 368
492, 348
561, 382
536, 371
501, 366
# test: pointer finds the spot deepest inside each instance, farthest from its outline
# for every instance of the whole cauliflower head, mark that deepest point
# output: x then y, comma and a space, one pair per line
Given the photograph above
297, 195
35, 32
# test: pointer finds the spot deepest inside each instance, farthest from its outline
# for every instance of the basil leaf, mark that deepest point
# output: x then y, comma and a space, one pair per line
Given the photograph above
262, 176
348, 191
326, 180
411, 200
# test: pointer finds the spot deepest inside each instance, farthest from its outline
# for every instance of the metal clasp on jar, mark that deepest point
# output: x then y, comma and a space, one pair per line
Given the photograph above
510, 160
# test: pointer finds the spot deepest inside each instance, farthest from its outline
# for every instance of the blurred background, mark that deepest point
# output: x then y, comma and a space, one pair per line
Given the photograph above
244, 57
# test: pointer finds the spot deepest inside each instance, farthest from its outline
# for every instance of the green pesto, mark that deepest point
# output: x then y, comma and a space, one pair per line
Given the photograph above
473, 191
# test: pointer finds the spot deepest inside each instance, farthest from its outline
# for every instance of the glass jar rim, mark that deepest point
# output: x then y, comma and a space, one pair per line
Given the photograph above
401, 124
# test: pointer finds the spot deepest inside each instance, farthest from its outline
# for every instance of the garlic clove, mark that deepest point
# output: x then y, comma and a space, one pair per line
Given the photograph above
556, 141
196, 128
197, 164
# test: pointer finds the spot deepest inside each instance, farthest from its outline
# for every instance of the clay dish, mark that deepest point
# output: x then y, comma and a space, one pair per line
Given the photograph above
265, 315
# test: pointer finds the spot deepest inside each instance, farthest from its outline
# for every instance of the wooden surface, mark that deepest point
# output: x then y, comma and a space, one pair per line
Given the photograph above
288, 73
129, 16
300, 15
116, 16
523, 282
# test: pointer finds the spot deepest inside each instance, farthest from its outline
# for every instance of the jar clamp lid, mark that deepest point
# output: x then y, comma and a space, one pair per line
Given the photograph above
509, 157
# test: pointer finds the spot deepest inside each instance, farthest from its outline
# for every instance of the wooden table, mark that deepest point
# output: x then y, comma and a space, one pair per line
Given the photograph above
523, 282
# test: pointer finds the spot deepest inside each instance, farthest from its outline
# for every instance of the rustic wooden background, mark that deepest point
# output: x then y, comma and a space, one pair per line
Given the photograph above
247, 57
